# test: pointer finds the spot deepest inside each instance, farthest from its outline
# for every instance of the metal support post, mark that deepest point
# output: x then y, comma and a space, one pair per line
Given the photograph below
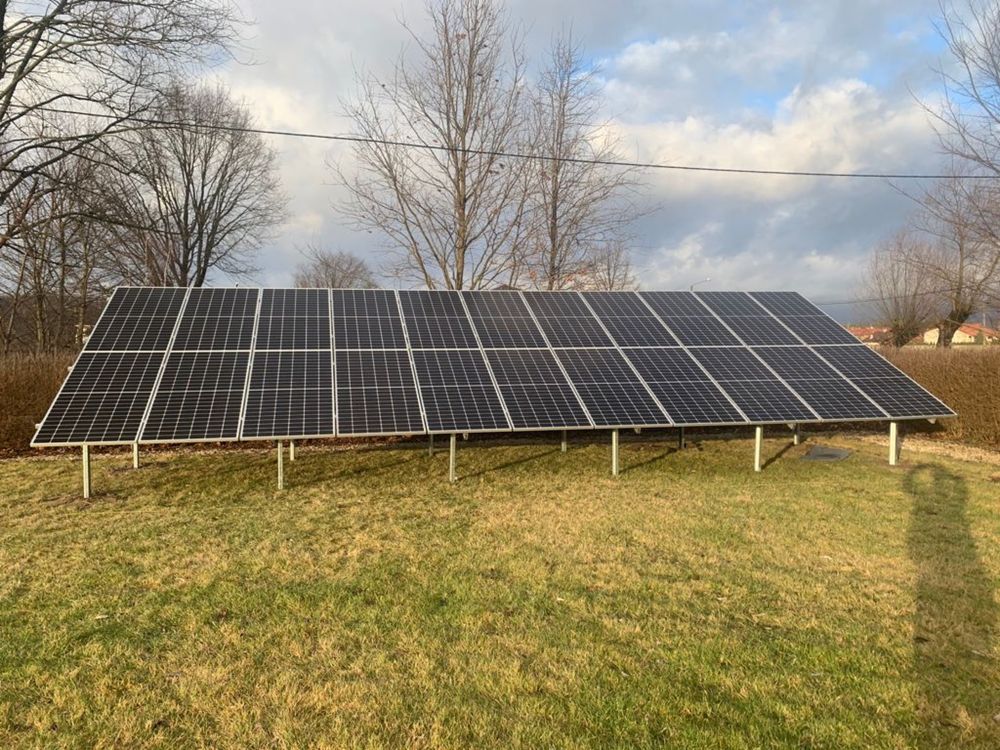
135, 455
281, 466
453, 449
758, 447
430, 445
291, 450
893, 443
614, 453
796, 435
564, 441
680, 438
86, 472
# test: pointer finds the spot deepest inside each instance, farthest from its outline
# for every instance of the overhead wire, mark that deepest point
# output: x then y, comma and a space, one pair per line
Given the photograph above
367, 140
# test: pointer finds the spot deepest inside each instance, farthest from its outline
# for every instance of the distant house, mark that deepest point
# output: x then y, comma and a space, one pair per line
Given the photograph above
970, 333
870, 335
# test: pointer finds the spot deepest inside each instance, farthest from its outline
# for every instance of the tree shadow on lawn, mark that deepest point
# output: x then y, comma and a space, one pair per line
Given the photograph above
955, 620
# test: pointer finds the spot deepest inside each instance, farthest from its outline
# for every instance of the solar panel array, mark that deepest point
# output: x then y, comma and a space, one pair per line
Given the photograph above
177, 365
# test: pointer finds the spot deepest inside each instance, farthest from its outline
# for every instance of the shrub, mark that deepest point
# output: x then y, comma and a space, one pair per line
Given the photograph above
966, 378
28, 383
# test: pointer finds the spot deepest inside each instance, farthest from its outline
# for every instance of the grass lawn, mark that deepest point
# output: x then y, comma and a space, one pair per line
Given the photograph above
538, 602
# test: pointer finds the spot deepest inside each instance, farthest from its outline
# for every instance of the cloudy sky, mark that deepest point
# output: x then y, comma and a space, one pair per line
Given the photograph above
806, 85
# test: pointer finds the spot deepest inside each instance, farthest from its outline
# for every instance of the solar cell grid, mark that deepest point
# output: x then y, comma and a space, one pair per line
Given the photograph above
786, 303
199, 397
437, 320
835, 398
103, 399
457, 391
536, 407
628, 320
695, 403
290, 303
731, 304
364, 303
665, 365
217, 319
901, 397
291, 369
795, 362
145, 301
674, 304
609, 388
534, 366
617, 304
732, 363
767, 401
137, 319
376, 393
502, 320
288, 413
819, 329
557, 304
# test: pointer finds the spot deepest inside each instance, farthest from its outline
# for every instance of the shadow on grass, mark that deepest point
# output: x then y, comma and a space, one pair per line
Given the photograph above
956, 613
787, 447
507, 464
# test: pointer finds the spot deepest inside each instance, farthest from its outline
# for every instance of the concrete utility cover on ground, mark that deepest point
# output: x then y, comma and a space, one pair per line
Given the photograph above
826, 453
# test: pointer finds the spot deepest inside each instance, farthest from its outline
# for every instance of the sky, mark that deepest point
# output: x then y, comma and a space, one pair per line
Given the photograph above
804, 85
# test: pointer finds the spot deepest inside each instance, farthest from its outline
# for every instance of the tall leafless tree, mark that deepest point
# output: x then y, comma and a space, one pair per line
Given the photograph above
968, 127
580, 207
608, 268
963, 262
195, 197
453, 209
334, 269
104, 58
53, 272
906, 299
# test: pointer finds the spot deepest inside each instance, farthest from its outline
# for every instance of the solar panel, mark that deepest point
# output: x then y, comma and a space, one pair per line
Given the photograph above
609, 388
217, 319
628, 320
896, 394
199, 397
688, 320
376, 394
566, 320
821, 386
102, 400
137, 319
171, 365
752, 386
804, 319
535, 390
457, 391
290, 395
294, 319
436, 320
366, 319
749, 321
682, 387
502, 320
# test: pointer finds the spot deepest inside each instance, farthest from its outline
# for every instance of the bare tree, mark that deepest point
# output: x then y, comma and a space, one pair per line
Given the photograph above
53, 271
963, 264
101, 57
905, 297
195, 197
968, 127
580, 206
451, 210
335, 269
608, 268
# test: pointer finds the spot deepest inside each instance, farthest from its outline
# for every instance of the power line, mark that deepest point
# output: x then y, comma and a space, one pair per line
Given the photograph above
517, 155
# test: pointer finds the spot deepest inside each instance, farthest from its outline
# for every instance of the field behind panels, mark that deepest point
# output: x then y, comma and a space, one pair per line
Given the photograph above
539, 603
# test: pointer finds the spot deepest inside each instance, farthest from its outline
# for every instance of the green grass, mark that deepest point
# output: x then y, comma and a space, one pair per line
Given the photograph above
538, 602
